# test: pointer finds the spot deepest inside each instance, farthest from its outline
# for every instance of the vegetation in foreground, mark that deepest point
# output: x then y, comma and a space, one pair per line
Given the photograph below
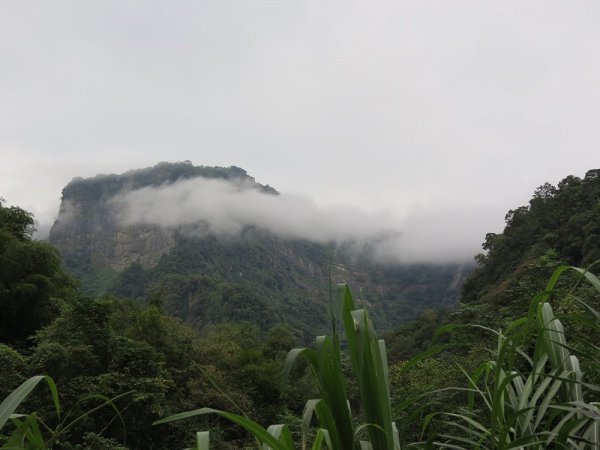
531, 394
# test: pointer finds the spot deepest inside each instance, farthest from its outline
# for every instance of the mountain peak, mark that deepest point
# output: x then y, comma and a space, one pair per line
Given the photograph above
159, 174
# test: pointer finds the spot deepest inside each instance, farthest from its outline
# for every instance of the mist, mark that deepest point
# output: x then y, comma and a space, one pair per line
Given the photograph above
226, 207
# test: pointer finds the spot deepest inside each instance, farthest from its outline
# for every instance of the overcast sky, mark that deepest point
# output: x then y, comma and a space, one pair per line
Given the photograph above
441, 115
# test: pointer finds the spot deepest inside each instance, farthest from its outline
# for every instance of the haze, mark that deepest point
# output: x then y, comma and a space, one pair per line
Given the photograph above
435, 117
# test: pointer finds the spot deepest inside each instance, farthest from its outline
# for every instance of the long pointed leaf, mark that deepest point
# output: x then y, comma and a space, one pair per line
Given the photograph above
14, 399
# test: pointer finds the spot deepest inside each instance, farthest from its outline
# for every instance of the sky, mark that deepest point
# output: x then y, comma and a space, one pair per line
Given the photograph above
436, 117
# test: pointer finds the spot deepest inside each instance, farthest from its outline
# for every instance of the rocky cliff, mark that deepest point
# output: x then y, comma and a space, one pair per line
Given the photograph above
87, 231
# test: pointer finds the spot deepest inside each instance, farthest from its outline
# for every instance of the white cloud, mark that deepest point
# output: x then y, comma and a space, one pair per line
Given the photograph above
227, 207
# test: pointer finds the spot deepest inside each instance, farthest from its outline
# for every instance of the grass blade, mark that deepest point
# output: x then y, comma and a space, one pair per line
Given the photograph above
14, 399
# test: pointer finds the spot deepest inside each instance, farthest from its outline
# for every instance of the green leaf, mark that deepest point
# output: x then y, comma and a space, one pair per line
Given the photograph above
262, 435
14, 399
321, 438
203, 440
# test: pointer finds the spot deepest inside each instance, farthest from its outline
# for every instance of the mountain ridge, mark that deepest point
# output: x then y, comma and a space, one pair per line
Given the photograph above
196, 272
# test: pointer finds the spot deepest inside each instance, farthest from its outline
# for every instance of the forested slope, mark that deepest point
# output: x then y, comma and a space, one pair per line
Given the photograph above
561, 225
149, 363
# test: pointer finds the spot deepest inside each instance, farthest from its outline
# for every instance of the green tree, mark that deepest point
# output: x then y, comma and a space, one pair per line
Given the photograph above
30, 278
17, 221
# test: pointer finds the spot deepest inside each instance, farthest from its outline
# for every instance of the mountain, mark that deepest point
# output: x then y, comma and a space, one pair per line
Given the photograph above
205, 277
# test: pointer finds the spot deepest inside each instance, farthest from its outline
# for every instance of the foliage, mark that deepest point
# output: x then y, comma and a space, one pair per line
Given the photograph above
260, 278
31, 432
532, 393
336, 424
13, 369
30, 278
414, 337
16, 221
563, 219
109, 347
418, 389
164, 172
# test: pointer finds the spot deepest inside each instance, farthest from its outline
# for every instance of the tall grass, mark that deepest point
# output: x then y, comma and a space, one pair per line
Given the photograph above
30, 431
531, 395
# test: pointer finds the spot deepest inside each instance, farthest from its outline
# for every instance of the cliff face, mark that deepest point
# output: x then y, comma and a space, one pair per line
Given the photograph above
87, 231
111, 247
253, 275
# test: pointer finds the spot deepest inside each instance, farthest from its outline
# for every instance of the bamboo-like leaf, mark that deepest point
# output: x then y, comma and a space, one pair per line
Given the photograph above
14, 399
554, 336
307, 415
325, 363
474, 387
555, 276
575, 388
592, 434
540, 409
396, 436
203, 440
547, 399
18, 438
326, 420
294, 354
282, 433
262, 435
593, 279
322, 438
105, 402
446, 329
466, 431
430, 352
470, 421
591, 310
533, 401
465, 440
366, 355
338, 438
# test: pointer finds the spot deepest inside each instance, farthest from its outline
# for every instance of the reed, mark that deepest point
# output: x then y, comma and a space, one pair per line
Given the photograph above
531, 394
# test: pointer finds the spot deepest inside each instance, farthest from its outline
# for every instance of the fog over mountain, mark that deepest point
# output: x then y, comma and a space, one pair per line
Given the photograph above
225, 207
413, 107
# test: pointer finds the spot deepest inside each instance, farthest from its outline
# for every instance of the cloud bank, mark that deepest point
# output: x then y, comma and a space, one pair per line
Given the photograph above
225, 208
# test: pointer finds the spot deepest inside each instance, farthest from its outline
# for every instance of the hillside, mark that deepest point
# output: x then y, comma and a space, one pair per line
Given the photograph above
560, 225
255, 275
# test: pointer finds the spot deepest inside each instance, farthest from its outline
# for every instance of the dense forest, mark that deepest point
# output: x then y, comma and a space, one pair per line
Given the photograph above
499, 373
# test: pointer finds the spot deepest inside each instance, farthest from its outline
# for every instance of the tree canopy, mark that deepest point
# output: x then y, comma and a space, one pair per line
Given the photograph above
30, 278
